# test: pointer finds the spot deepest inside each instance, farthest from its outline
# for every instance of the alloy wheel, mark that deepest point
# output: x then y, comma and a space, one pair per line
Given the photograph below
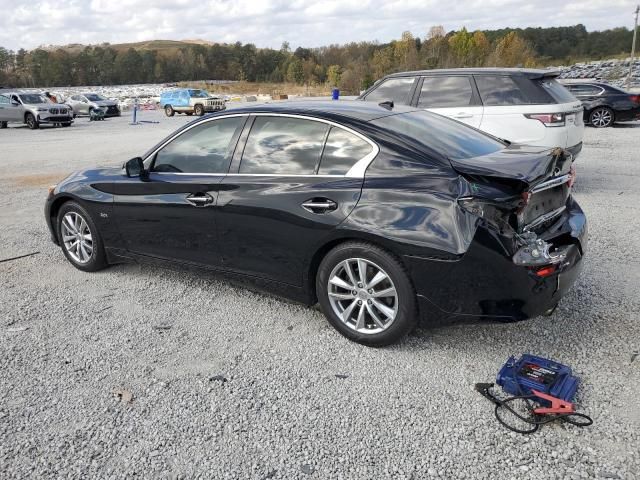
601, 117
77, 238
362, 295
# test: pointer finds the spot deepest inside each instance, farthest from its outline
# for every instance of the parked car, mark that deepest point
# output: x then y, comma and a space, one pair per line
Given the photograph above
605, 104
376, 213
32, 109
83, 104
519, 105
190, 101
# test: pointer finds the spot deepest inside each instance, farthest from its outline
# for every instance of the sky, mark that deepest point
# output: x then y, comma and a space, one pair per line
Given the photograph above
268, 23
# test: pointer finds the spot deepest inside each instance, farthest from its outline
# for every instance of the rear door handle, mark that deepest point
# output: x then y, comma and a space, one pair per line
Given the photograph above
462, 115
319, 205
200, 199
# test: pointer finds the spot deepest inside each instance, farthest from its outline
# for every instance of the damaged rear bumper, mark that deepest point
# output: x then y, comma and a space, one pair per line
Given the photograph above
487, 282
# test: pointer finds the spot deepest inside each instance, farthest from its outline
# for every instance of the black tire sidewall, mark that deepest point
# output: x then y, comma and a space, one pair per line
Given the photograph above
33, 124
3, 125
598, 109
98, 258
407, 316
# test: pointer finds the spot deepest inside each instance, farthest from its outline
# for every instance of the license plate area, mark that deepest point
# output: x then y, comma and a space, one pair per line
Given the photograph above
544, 202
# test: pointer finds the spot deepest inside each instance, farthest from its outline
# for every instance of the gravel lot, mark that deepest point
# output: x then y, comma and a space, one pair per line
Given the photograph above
229, 383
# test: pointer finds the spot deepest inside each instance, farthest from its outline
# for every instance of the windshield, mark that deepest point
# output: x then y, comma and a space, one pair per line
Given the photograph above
198, 94
32, 98
93, 97
451, 139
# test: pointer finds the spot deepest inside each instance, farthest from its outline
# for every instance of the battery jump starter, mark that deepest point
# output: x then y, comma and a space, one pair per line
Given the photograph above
535, 379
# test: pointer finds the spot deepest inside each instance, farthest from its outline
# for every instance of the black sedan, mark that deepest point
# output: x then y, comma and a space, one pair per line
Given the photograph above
605, 104
377, 213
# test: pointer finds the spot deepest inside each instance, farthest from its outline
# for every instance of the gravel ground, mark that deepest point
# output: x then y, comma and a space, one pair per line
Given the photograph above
229, 383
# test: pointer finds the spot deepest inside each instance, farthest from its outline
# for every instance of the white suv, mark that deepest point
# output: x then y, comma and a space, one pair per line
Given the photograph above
519, 105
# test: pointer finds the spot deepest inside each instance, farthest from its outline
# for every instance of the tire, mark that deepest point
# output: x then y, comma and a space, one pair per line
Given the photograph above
3, 125
360, 305
601, 117
169, 111
89, 257
198, 110
67, 124
31, 121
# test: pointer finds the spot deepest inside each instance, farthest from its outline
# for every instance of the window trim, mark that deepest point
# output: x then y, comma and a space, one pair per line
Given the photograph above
357, 170
576, 94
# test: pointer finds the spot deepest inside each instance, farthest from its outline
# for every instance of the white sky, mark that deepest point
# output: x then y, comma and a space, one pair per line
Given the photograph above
268, 23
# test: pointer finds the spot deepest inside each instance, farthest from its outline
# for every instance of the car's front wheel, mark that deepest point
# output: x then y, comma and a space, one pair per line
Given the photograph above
601, 117
366, 294
79, 238
31, 121
198, 110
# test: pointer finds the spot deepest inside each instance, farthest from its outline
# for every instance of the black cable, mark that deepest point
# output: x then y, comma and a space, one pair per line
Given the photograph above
534, 419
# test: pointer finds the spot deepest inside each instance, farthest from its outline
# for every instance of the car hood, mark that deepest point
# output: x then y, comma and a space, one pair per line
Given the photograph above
524, 163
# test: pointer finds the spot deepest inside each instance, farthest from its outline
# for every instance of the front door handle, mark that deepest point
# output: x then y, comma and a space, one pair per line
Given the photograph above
462, 115
319, 205
200, 199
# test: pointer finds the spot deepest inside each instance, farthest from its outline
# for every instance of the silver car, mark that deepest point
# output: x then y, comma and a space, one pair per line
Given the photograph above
32, 109
82, 104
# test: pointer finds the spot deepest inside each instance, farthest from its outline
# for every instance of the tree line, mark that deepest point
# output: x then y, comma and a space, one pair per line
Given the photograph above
352, 67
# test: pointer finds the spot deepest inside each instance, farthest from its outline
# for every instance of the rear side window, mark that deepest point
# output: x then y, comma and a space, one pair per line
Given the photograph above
283, 146
441, 92
3, 99
558, 91
395, 90
447, 137
205, 148
500, 91
584, 90
342, 150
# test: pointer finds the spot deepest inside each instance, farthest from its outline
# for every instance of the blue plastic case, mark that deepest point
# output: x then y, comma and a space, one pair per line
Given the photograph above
519, 377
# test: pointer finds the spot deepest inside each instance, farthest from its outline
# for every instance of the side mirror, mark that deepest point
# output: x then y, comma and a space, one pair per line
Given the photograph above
135, 168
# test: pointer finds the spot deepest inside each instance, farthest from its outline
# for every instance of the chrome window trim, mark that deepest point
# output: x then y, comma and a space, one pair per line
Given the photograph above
554, 182
357, 170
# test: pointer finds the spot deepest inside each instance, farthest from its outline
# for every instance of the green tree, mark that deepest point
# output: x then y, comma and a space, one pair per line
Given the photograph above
333, 75
295, 72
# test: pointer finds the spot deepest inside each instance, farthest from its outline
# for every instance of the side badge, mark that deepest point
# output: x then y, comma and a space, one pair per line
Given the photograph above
103, 215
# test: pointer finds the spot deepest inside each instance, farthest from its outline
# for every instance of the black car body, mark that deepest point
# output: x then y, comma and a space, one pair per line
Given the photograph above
459, 212
605, 104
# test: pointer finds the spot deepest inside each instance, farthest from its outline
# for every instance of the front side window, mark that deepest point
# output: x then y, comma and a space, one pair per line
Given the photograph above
442, 92
342, 150
283, 146
499, 91
395, 90
205, 148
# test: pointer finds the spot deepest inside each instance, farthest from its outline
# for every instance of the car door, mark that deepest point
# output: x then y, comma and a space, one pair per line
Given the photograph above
7, 111
170, 213
453, 96
295, 180
15, 109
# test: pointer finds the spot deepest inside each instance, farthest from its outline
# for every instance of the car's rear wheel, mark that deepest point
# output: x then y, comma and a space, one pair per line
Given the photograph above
198, 110
169, 111
31, 121
366, 294
601, 117
79, 238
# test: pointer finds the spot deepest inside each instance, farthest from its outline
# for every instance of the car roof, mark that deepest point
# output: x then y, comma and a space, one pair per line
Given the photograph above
326, 109
528, 72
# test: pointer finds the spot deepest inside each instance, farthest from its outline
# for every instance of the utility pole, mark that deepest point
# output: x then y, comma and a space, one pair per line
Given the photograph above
633, 46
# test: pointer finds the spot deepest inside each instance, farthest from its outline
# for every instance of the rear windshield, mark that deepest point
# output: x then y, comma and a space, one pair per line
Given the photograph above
447, 137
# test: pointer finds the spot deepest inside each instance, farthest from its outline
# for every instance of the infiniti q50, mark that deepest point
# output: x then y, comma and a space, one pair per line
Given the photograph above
381, 215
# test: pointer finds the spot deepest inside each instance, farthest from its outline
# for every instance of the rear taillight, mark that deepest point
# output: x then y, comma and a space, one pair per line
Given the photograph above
635, 99
548, 119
